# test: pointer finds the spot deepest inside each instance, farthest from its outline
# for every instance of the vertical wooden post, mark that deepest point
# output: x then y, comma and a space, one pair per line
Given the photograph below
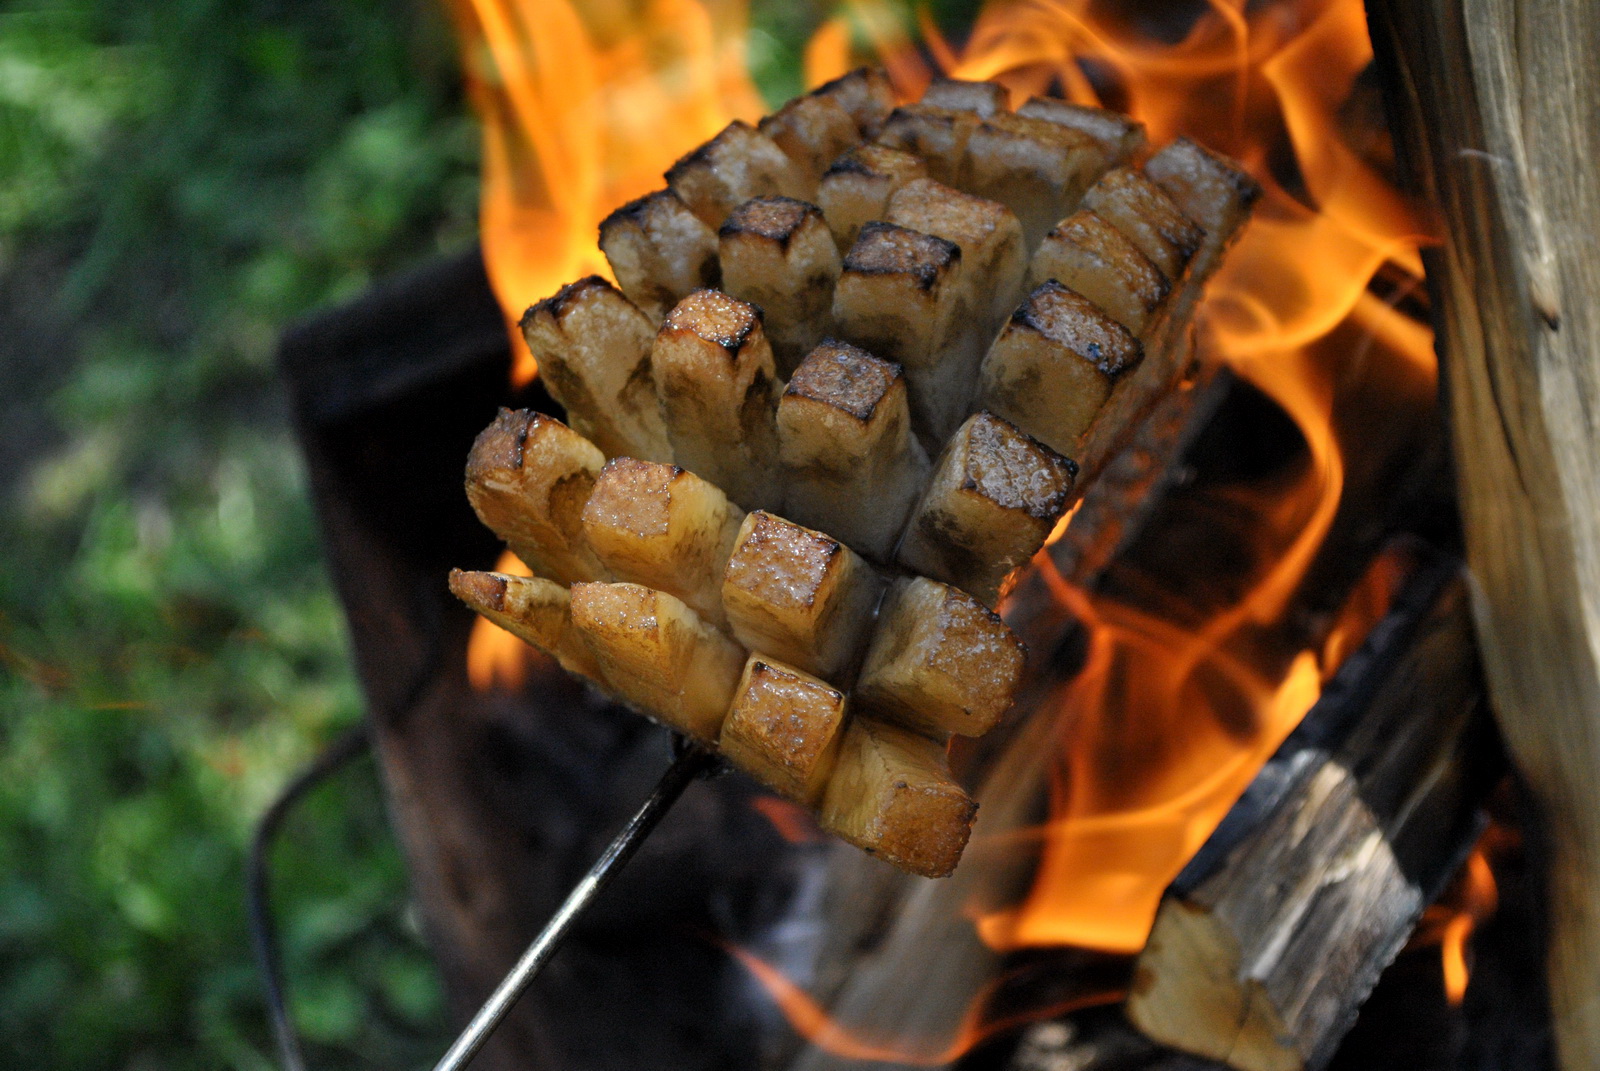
1496, 106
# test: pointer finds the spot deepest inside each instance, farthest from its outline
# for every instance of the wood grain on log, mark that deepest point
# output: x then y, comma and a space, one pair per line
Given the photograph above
1269, 940
1496, 104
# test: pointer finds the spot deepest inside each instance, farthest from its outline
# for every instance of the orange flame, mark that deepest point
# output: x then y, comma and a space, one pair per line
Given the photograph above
1471, 898
792, 821
813, 1022
582, 111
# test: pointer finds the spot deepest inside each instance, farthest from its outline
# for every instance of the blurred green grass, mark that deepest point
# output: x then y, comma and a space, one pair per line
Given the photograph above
178, 181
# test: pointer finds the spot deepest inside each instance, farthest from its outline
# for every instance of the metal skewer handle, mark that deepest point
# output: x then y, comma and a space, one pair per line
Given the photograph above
692, 761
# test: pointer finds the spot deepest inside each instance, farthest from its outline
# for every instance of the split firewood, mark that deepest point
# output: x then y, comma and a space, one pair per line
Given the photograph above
995, 496
718, 390
1037, 168
852, 467
993, 257
535, 610
940, 662
799, 595
665, 528
812, 130
892, 795
899, 298
659, 251
592, 346
865, 93
778, 254
1054, 366
785, 728
528, 477
659, 655
1269, 940
856, 188
1121, 138
736, 165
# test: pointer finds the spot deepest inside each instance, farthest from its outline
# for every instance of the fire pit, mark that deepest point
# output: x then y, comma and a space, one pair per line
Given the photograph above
1241, 557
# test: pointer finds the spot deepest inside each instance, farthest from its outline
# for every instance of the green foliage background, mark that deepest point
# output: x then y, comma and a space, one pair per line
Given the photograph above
179, 179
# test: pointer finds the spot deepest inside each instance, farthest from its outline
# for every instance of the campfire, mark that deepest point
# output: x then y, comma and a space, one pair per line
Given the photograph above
1095, 338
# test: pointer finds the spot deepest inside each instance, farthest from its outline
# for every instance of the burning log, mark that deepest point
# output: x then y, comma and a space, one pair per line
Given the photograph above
1269, 940
1493, 108
844, 436
995, 496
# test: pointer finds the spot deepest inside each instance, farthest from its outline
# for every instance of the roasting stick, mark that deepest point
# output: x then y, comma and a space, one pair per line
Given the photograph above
693, 761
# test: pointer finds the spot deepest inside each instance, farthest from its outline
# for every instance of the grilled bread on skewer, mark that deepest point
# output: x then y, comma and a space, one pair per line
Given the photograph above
800, 596
940, 661
736, 165
664, 527
900, 298
535, 610
659, 251
785, 728
856, 188
892, 795
593, 349
528, 477
657, 653
995, 496
1120, 137
718, 388
777, 254
770, 634
852, 466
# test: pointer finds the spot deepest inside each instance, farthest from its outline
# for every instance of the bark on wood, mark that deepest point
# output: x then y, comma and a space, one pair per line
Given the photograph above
1268, 942
1496, 104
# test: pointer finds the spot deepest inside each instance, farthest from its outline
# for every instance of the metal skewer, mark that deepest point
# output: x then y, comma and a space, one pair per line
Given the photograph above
692, 761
